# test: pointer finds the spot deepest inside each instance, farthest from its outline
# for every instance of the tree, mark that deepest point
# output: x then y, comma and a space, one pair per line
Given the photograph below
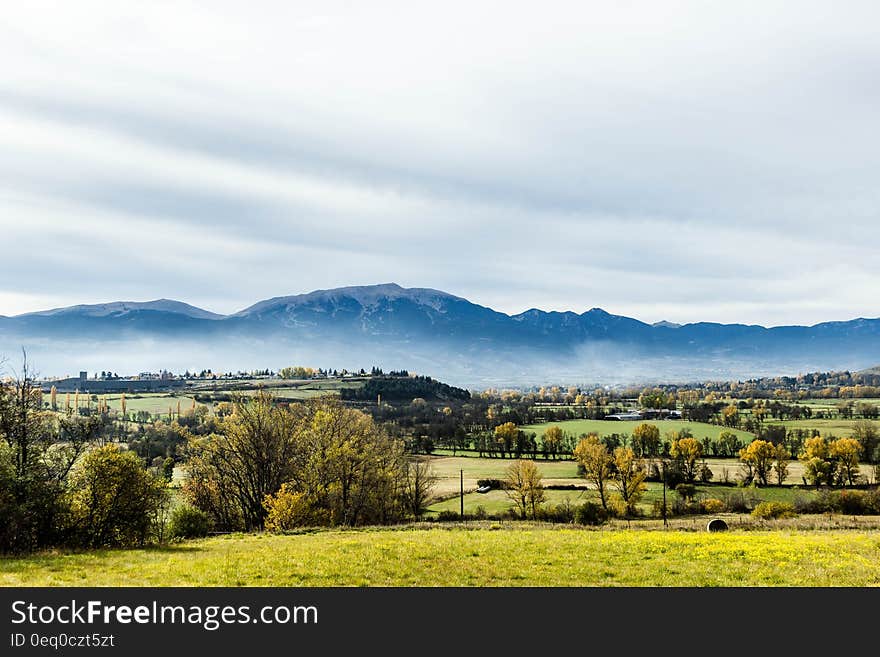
523, 486
729, 443
419, 483
866, 433
231, 473
818, 467
553, 438
505, 437
758, 456
646, 440
34, 468
730, 416
168, 470
845, 452
686, 452
630, 477
780, 467
597, 464
114, 499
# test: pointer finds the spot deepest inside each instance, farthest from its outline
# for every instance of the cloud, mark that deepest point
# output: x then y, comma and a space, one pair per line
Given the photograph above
677, 161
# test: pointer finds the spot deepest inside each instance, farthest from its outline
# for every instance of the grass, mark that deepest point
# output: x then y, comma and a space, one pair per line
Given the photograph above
608, 427
497, 501
485, 555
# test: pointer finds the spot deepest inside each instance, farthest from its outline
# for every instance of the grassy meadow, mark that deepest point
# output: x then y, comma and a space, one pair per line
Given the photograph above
699, 430
483, 555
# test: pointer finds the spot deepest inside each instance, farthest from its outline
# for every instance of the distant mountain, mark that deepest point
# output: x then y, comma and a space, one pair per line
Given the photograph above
119, 308
430, 332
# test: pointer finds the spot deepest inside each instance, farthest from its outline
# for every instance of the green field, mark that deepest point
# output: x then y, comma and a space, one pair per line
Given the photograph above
508, 555
447, 469
496, 502
608, 427
837, 427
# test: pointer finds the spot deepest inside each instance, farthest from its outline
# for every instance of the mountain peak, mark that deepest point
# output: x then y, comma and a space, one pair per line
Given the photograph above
665, 324
117, 308
365, 295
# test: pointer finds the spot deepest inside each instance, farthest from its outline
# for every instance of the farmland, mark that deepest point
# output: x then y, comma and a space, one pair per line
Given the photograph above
508, 554
699, 430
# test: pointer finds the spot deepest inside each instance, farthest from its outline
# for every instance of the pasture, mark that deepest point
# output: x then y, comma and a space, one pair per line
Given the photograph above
499, 554
699, 430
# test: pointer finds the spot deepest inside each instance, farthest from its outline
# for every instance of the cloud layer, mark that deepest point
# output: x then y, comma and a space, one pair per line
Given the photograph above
678, 160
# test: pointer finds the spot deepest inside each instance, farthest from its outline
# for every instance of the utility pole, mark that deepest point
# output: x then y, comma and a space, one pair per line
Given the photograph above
461, 495
665, 522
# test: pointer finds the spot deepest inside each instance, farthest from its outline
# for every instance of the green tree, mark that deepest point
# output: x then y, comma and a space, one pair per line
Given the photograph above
114, 499
867, 434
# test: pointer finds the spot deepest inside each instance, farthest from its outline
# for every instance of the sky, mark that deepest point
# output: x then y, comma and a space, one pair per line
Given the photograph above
681, 161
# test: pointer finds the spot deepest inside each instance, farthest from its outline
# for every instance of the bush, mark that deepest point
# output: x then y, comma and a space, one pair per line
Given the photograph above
713, 505
771, 510
494, 484
189, 522
590, 513
686, 491
446, 516
563, 512
736, 502
289, 508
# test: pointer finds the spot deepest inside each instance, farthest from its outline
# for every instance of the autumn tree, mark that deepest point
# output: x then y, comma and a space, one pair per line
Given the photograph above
845, 453
758, 456
646, 440
553, 438
629, 477
505, 437
524, 487
597, 464
816, 457
231, 473
730, 416
686, 452
780, 466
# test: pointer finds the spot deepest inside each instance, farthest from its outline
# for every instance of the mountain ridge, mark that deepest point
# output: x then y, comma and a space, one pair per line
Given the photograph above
431, 331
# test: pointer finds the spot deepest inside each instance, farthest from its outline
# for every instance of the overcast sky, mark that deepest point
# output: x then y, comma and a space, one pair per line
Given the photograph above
685, 161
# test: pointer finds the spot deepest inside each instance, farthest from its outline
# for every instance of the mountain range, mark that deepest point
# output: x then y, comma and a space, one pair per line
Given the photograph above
429, 332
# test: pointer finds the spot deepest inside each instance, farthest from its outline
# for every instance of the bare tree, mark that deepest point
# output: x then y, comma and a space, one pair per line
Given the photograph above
418, 486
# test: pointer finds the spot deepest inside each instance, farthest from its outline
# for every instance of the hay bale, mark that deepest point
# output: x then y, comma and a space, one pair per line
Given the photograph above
717, 525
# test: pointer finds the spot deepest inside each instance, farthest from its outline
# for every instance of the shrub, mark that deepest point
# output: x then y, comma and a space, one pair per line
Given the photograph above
771, 510
736, 502
495, 484
686, 491
713, 505
289, 508
446, 515
590, 513
189, 522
